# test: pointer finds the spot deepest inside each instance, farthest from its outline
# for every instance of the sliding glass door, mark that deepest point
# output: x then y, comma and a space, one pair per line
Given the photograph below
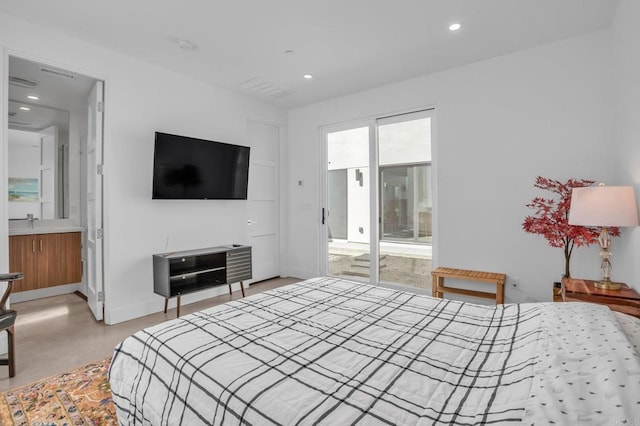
379, 200
348, 202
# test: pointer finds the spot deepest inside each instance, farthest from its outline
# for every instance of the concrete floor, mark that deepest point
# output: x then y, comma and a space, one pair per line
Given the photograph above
401, 263
59, 333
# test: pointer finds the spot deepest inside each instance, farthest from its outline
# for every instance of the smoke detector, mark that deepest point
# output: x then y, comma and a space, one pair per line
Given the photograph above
186, 45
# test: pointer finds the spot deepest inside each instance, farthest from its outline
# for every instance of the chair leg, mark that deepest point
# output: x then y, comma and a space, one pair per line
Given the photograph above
11, 358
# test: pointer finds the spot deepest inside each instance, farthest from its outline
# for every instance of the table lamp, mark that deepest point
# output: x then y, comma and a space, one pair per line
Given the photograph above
604, 206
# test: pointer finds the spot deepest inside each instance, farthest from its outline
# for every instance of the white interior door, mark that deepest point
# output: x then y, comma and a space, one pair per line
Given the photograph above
95, 295
48, 175
263, 199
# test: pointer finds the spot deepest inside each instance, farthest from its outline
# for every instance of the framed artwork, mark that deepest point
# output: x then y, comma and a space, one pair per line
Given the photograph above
23, 189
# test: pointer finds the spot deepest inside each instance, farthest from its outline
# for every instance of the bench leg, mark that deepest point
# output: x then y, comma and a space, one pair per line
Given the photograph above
242, 288
437, 282
500, 293
166, 303
178, 313
434, 286
229, 289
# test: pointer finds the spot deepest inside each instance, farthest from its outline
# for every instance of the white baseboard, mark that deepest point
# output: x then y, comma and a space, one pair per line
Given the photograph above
23, 296
122, 314
301, 273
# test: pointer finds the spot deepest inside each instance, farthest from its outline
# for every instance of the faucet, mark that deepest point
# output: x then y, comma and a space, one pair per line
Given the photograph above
31, 219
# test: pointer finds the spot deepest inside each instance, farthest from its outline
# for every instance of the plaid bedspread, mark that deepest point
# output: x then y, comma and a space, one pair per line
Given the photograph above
331, 351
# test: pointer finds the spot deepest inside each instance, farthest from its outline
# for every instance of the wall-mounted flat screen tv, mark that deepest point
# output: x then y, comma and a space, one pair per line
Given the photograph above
198, 169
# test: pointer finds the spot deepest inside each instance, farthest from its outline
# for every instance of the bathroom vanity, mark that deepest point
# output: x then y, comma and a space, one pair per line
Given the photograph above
48, 256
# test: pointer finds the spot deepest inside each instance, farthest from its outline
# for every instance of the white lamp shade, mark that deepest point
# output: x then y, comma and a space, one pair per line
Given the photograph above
603, 206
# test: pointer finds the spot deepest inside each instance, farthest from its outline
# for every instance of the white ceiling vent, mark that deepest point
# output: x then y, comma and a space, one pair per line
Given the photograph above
58, 73
260, 86
22, 82
20, 123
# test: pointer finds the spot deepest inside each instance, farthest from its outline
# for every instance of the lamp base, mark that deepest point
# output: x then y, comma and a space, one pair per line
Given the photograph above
607, 285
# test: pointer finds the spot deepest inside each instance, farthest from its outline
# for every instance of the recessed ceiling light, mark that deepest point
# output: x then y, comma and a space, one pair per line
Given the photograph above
289, 52
455, 26
33, 97
308, 76
25, 108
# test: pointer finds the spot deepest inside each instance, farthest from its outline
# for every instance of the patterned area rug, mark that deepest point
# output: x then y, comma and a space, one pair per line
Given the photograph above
79, 397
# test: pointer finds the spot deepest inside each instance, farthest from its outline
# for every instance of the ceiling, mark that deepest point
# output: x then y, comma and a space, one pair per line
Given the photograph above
348, 45
58, 92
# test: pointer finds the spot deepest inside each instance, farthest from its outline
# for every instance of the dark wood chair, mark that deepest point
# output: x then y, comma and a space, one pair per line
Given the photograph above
8, 319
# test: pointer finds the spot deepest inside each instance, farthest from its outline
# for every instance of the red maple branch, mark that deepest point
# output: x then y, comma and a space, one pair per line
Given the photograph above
551, 218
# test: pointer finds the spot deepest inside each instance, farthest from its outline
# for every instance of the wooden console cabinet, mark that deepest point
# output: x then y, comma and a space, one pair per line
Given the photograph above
47, 260
178, 273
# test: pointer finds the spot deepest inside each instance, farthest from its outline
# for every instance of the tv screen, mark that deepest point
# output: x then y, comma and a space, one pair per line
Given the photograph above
198, 169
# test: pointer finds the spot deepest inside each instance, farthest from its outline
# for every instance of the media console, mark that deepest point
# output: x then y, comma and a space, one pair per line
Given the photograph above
182, 272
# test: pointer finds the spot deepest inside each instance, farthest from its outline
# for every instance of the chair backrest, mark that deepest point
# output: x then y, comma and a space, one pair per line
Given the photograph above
10, 278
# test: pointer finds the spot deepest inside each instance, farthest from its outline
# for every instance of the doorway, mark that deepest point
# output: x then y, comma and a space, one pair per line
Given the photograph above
379, 200
63, 110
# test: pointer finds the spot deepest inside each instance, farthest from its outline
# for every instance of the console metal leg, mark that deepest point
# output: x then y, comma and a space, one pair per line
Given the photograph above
229, 289
242, 288
178, 313
166, 303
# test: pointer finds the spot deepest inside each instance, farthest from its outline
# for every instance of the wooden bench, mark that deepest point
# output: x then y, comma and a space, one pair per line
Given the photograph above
439, 274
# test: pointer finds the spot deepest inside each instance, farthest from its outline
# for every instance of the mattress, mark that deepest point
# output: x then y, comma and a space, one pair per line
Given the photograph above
332, 351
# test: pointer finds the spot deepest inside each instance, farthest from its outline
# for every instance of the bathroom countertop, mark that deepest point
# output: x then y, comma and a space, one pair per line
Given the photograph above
48, 229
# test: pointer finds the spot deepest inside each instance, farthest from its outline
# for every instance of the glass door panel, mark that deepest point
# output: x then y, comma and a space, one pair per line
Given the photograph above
348, 203
396, 198
405, 199
425, 204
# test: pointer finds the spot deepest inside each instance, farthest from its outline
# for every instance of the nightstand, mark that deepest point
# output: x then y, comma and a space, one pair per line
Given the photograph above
625, 300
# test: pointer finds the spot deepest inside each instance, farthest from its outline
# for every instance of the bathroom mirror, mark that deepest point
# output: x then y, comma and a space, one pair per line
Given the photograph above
38, 169
47, 117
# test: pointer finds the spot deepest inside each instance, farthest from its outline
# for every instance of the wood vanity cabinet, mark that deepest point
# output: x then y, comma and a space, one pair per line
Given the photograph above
47, 260
23, 258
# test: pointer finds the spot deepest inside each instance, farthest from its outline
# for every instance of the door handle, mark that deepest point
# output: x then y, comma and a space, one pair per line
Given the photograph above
33, 246
323, 216
40, 246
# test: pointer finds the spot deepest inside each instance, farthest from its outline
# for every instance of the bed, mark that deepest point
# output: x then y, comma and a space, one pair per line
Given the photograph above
332, 351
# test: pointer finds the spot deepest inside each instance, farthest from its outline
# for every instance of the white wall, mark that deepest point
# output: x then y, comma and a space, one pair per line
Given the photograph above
140, 99
498, 124
626, 65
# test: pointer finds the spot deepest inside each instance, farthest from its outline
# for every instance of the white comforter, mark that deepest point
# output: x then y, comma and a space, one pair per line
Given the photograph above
331, 351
